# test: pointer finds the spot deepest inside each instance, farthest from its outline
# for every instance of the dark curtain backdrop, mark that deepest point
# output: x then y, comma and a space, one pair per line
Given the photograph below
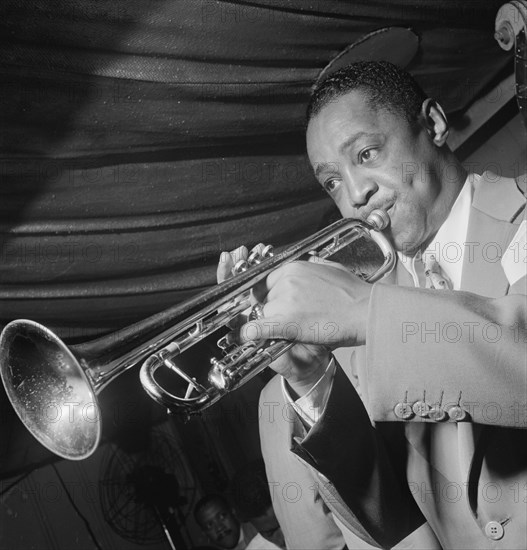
139, 138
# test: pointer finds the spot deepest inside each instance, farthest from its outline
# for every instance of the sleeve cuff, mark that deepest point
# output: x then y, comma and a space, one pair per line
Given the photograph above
310, 406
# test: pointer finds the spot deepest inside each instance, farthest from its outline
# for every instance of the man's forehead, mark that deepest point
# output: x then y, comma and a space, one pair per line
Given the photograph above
345, 121
355, 111
212, 509
344, 115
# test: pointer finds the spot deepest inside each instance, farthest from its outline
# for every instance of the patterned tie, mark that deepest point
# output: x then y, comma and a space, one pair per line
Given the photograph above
435, 278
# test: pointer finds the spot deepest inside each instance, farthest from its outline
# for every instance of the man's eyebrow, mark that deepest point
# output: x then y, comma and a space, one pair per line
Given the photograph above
353, 138
331, 166
323, 166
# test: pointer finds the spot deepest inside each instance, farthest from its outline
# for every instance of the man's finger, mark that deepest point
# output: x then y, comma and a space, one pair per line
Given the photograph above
225, 266
239, 253
268, 328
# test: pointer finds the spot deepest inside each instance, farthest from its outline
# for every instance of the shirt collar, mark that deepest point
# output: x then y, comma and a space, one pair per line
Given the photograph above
241, 544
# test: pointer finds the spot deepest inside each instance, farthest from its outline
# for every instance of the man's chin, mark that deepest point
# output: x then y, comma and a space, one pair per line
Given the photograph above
403, 242
228, 541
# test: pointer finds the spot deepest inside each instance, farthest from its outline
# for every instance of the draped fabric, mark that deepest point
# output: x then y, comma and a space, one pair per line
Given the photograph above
141, 138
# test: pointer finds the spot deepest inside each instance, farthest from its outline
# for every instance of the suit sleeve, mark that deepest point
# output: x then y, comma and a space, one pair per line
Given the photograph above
352, 456
304, 518
450, 350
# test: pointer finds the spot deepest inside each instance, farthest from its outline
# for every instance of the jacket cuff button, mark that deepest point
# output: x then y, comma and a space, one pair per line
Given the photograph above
437, 414
421, 408
403, 411
456, 413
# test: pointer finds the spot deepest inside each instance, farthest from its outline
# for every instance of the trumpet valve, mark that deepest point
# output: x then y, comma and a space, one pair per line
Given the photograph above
255, 257
259, 253
240, 267
219, 375
268, 251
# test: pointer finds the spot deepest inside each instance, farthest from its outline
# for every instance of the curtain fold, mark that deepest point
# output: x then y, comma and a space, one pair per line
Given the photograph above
141, 138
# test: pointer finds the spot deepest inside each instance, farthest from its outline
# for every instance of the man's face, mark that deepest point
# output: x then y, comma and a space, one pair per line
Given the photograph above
267, 525
220, 525
368, 158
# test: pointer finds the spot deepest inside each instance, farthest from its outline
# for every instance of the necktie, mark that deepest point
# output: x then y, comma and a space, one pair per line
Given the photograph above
435, 278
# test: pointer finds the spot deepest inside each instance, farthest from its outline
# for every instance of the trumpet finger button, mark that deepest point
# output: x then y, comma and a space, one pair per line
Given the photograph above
255, 256
240, 267
268, 251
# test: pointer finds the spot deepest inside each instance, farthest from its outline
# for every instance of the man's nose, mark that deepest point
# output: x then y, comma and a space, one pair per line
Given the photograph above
360, 191
218, 526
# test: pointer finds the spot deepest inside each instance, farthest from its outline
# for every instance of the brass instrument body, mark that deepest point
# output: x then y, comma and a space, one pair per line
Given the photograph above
40, 373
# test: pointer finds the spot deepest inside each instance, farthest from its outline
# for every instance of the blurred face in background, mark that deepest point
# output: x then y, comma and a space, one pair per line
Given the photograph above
220, 524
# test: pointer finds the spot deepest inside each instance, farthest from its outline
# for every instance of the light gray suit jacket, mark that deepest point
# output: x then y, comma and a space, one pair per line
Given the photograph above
464, 354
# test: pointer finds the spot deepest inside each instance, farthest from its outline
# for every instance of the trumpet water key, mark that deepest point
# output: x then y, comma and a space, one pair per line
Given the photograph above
53, 387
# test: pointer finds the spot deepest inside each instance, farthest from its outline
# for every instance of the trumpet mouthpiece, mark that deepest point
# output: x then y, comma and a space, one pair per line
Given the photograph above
379, 219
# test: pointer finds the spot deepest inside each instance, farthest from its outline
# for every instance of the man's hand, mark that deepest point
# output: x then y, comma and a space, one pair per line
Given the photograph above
303, 364
314, 303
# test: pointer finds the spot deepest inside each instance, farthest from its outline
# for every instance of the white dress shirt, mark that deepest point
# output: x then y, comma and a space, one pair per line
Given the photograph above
261, 543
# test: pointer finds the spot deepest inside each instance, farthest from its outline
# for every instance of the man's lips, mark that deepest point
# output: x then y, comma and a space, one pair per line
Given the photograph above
388, 208
223, 534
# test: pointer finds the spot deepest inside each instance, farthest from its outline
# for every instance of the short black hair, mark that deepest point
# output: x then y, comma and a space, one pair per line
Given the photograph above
250, 491
207, 500
385, 86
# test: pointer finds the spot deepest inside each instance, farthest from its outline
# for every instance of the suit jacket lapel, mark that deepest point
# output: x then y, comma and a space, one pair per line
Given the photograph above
496, 203
487, 241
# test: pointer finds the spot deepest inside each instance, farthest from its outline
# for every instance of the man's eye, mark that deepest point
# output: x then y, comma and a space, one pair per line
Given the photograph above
330, 185
368, 155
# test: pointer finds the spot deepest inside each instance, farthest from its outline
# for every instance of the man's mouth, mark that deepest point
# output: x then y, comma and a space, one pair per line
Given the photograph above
223, 534
388, 208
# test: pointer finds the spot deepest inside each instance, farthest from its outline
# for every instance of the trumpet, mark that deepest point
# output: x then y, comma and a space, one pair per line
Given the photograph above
53, 388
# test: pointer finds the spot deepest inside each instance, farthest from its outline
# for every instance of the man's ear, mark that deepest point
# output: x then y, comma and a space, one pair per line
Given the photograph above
434, 120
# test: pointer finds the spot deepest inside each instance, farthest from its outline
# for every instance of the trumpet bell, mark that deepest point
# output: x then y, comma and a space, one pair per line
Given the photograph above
50, 392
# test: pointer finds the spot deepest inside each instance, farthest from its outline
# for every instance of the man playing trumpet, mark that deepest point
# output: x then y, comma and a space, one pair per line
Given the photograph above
420, 436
